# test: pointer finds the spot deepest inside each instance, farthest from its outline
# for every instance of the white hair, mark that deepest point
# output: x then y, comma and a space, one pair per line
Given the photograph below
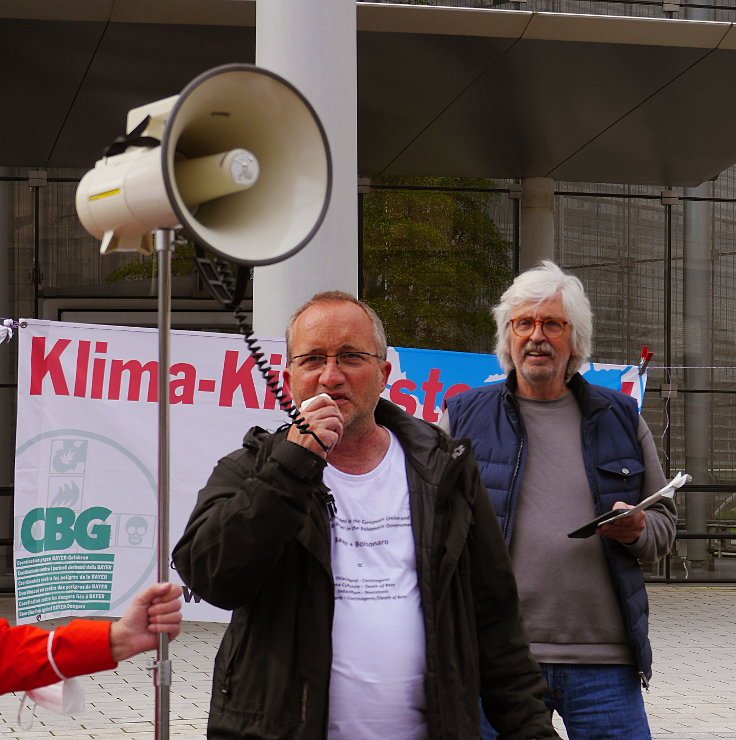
535, 286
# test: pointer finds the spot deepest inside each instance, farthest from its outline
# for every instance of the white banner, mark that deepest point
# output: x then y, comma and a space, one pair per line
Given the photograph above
86, 457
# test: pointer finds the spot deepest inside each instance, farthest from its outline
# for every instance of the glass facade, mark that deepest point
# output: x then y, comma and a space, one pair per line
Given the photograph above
634, 254
662, 276
637, 256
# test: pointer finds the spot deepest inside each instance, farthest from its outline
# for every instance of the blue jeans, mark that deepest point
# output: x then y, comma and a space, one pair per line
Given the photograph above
596, 702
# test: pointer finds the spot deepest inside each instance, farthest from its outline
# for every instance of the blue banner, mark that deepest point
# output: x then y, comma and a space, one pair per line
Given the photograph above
421, 379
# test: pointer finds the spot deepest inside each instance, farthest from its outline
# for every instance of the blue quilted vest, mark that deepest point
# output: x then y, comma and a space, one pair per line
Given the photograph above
490, 417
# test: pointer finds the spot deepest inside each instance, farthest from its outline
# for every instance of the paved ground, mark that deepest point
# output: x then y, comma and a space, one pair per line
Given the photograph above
693, 695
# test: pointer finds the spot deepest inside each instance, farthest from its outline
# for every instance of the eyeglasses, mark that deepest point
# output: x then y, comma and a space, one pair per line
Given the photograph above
344, 360
524, 326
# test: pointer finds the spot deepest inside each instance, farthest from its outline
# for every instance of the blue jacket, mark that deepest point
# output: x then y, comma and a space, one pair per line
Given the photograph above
490, 417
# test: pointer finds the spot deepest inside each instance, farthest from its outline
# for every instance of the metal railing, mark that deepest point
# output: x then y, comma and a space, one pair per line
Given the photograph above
714, 568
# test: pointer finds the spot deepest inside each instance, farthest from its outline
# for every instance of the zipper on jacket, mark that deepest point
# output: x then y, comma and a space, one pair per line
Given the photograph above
328, 501
509, 514
305, 696
226, 685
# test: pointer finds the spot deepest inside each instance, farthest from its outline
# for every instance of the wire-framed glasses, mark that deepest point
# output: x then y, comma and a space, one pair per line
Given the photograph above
524, 326
344, 360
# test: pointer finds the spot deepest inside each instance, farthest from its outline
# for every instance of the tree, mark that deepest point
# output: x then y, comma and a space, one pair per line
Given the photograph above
141, 267
434, 263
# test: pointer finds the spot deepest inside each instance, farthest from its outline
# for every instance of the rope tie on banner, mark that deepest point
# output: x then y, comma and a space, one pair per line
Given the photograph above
646, 357
8, 327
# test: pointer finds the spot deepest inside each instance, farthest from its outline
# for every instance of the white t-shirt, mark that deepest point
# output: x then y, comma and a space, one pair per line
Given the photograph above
378, 663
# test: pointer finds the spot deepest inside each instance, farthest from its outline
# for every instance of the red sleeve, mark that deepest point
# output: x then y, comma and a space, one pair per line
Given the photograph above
79, 648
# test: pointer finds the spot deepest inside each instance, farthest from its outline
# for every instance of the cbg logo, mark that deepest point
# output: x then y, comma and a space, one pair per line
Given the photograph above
59, 528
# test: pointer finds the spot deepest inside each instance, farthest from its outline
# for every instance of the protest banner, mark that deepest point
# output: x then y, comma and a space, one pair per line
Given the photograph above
85, 515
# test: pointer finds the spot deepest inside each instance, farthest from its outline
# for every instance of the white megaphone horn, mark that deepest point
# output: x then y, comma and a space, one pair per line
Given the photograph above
239, 159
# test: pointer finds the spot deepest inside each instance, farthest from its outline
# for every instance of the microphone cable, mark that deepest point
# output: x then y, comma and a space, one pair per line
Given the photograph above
229, 289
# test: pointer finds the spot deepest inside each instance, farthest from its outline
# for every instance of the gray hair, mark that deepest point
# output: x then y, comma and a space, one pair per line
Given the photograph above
535, 286
337, 296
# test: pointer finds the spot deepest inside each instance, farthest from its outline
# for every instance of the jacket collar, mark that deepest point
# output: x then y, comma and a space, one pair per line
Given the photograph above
588, 398
428, 448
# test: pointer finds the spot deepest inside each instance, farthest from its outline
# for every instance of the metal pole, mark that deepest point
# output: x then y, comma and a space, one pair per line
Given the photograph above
8, 372
8, 369
668, 339
697, 293
361, 273
36, 273
517, 235
697, 298
162, 669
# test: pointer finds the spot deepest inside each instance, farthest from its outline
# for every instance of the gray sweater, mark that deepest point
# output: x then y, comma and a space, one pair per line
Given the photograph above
568, 601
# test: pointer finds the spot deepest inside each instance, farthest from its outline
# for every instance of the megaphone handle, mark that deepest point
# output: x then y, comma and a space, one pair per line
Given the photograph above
285, 402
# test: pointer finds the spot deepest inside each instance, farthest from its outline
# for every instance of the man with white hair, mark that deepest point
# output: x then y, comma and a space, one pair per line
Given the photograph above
554, 451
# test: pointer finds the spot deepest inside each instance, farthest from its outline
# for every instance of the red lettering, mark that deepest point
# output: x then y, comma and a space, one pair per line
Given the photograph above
98, 377
627, 387
397, 395
453, 390
431, 388
135, 372
186, 385
287, 393
80, 379
269, 399
98, 371
237, 378
50, 364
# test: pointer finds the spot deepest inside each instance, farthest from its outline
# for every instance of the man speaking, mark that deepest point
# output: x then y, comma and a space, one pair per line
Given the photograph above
384, 618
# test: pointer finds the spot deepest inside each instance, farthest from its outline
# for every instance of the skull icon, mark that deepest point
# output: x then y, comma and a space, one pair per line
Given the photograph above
135, 528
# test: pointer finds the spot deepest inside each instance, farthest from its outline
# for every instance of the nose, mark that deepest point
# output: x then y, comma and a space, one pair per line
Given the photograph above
537, 335
331, 373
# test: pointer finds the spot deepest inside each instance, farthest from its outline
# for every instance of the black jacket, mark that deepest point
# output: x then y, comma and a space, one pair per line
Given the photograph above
258, 542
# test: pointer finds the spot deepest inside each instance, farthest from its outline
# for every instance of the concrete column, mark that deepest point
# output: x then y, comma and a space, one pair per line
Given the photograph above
313, 45
697, 282
697, 243
537, 223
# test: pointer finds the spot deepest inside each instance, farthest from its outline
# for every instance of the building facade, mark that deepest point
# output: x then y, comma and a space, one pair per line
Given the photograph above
658, 263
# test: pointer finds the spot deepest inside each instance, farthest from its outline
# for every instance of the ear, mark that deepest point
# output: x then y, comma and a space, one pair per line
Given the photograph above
385, 372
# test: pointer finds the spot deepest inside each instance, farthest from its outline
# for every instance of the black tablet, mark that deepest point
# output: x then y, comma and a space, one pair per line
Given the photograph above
588, 530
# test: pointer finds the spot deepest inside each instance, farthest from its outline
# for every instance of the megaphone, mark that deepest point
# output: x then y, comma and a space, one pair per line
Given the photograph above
239, 159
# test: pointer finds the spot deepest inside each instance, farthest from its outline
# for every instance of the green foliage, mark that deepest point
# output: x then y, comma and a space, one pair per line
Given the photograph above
143, 268
434, 263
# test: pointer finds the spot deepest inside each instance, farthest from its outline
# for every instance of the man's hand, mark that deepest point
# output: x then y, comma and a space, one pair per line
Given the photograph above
324, 419
627, 529
154, 610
